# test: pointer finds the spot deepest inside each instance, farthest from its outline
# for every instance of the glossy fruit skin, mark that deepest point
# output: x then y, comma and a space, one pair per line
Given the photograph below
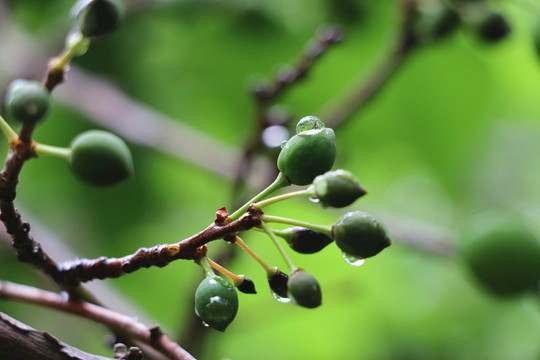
307, 154
502, 253
304, 240
304, 289
216, 302
337, 188
100, 158
27, 101
360, 235
278, 283
97, 17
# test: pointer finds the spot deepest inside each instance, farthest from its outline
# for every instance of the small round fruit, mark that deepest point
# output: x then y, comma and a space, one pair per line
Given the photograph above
307, 154
304, 240
360, 235
216, 302
304, 289
336, 189
97, 17
493, 27
502, 253
27, 101
100, 158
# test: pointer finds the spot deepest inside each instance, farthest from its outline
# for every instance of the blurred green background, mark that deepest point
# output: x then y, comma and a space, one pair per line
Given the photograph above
455, 129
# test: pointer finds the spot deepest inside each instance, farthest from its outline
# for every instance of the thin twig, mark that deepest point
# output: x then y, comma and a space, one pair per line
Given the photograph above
118, 322
81, 270
266, 95
338, 111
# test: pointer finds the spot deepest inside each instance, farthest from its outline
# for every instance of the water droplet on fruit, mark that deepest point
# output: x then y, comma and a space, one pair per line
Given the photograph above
205, 324
353, 260
281, 299
283, 144
309, 123
314, 200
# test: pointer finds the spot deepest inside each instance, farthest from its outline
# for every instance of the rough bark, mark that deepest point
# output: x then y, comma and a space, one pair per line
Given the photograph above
21, 342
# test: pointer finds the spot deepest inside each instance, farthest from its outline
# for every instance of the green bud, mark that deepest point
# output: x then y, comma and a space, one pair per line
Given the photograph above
27, 101
278, 283
216, 302
336, 189
97, 17
247, 286
360, 235
100, 158
309, 153
303, 240
502, 253
304, 289
492, 27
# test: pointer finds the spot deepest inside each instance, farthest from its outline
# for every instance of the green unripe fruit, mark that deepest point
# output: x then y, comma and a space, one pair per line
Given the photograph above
303, 240
304, 289
492, 27
216, 302
27, 101
100, 158
309, 153
97, 17
502, 253
278, 283
336, 189
360, 235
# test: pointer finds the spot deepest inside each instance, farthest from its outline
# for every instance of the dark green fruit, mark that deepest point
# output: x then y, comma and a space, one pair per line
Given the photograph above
492, 27
278, 283
336, 189
303, 240
309, 153
502, 253
97, 17
100, 158
304, 289
27, 101
216, 302
360, 235
247, 286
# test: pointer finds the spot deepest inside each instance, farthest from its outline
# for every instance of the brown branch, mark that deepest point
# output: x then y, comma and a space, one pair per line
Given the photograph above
339, 111
81, 270
119, 323
21, 342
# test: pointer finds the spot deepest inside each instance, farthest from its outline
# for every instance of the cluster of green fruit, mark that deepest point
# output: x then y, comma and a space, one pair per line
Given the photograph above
501, 250
96, 157
305, 159
437, 18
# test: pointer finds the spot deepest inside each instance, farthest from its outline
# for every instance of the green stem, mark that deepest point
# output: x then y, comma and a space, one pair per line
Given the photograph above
327, 230
280, 182
280, 248
275, 199
236, 279
206, 267
270, 271
54, 151
10, 133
